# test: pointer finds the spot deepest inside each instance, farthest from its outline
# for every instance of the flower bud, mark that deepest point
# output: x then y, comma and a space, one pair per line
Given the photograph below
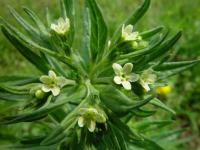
62, 26
39, 94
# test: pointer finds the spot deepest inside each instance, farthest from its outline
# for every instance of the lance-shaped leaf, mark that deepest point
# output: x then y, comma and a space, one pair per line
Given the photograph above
85, 51
146, 144
155, 44
18, 80
165, 74
54, 137
37, 21
166, 134
27, 26
152, 32
98, 29
31, 116
28, 43
159, 52
174, 65
158, 103
118, 102
26, 52
12, 97
133, 19
125, 130
165, 47
67, 10
142, 113
43, 111
27, 147
149, 125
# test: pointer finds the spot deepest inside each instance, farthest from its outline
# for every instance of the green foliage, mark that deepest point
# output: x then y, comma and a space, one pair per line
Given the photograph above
85, 82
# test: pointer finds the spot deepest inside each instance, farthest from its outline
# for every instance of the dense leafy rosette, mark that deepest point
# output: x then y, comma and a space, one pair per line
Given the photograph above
81, 104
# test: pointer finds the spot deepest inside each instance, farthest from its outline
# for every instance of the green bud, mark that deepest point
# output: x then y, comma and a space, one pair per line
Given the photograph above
39, 94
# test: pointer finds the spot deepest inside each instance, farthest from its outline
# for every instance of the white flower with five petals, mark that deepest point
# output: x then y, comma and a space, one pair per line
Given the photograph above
89, 117
53, 83
147, 78
62, 26
124, 75
129, 35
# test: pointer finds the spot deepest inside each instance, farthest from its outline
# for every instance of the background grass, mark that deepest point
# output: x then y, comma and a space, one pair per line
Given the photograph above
174, 14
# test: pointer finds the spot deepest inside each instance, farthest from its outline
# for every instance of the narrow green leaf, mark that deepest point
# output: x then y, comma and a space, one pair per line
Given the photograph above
152, 32
26, 52
27, 147
167, 134
18, 80
55, 136
120, 138
165, 47
24, 40
85, 52
37, 21
125, 130
11, 97
158, 53
117, 101
145, 51
70, 12
145, 126
142, 113
139, 13
28, 27
165, 74
158, 103
146, 143
133, 19
98, 29
174, 65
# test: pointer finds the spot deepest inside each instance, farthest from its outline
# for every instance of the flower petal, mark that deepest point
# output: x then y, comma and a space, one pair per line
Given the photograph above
81, 122
91, 126
45, 79
52, 74
53, 26
100, 118
55, 91
127, 68
117, 80
117, 68
126, 85
46, 88
145, 85
151, 78
128, 29
83, 110
133, 77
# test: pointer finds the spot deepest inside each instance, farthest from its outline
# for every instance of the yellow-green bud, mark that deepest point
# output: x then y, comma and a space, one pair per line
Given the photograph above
39, 94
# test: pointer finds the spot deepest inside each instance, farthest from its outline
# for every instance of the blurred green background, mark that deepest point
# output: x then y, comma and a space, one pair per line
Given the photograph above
184, 96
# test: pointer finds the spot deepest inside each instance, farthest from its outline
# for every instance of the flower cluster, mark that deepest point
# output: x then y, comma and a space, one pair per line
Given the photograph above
53, 83
62, 26
136, 39
125, 76
89, 117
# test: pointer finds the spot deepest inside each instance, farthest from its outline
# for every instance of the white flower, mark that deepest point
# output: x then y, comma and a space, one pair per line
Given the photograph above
89, 117
129, 35
124, 75
146, 78
62, 26
53, 83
